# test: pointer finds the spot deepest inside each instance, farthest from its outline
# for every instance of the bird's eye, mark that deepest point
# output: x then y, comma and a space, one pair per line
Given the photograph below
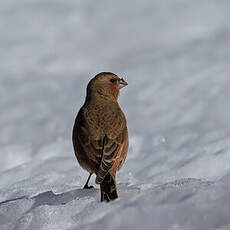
112, 80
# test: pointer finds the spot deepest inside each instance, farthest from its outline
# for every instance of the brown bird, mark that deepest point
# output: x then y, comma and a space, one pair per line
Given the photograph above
100, 134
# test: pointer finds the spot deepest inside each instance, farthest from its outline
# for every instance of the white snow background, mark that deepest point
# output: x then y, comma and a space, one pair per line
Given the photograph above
175, 56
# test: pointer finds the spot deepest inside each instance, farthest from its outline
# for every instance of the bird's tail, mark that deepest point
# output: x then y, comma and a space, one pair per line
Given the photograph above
108, 188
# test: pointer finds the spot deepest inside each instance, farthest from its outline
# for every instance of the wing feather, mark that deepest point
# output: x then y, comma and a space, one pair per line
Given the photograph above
111, 152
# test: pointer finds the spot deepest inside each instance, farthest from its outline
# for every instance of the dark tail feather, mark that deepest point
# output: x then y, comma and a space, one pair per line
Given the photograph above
108, 188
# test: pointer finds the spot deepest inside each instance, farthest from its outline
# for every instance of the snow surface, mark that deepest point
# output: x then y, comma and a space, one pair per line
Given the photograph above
175, 56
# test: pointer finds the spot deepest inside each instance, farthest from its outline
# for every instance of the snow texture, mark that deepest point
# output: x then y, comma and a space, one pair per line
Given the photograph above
175, 56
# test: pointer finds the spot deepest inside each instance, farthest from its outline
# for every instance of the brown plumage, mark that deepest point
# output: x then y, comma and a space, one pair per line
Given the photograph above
100, 135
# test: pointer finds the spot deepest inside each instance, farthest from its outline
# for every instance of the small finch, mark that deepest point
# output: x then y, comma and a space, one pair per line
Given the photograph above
100, 134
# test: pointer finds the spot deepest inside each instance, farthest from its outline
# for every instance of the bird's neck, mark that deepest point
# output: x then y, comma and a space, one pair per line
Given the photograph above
101, 95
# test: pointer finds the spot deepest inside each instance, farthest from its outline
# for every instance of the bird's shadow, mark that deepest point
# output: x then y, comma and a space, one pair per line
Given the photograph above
52, 199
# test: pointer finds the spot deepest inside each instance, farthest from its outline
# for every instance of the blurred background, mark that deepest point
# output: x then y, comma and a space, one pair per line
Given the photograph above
174, 55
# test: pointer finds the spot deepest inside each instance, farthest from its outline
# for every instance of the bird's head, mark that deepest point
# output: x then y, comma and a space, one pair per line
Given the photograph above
105, 86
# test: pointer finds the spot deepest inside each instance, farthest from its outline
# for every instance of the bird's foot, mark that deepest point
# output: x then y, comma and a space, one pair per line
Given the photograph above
88, 187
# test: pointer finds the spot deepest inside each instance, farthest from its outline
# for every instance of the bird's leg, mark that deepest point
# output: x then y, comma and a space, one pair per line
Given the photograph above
87, 182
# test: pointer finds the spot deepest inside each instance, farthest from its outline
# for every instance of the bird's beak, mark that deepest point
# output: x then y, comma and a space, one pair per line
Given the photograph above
122, 83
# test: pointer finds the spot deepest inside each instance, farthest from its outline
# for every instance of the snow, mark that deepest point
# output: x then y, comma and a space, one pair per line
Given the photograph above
175, 56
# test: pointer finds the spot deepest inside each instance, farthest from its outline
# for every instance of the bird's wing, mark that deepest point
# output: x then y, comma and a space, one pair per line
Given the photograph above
88, 150
113, 144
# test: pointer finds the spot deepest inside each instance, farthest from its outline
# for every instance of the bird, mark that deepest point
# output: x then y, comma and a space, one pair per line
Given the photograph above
100, 134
